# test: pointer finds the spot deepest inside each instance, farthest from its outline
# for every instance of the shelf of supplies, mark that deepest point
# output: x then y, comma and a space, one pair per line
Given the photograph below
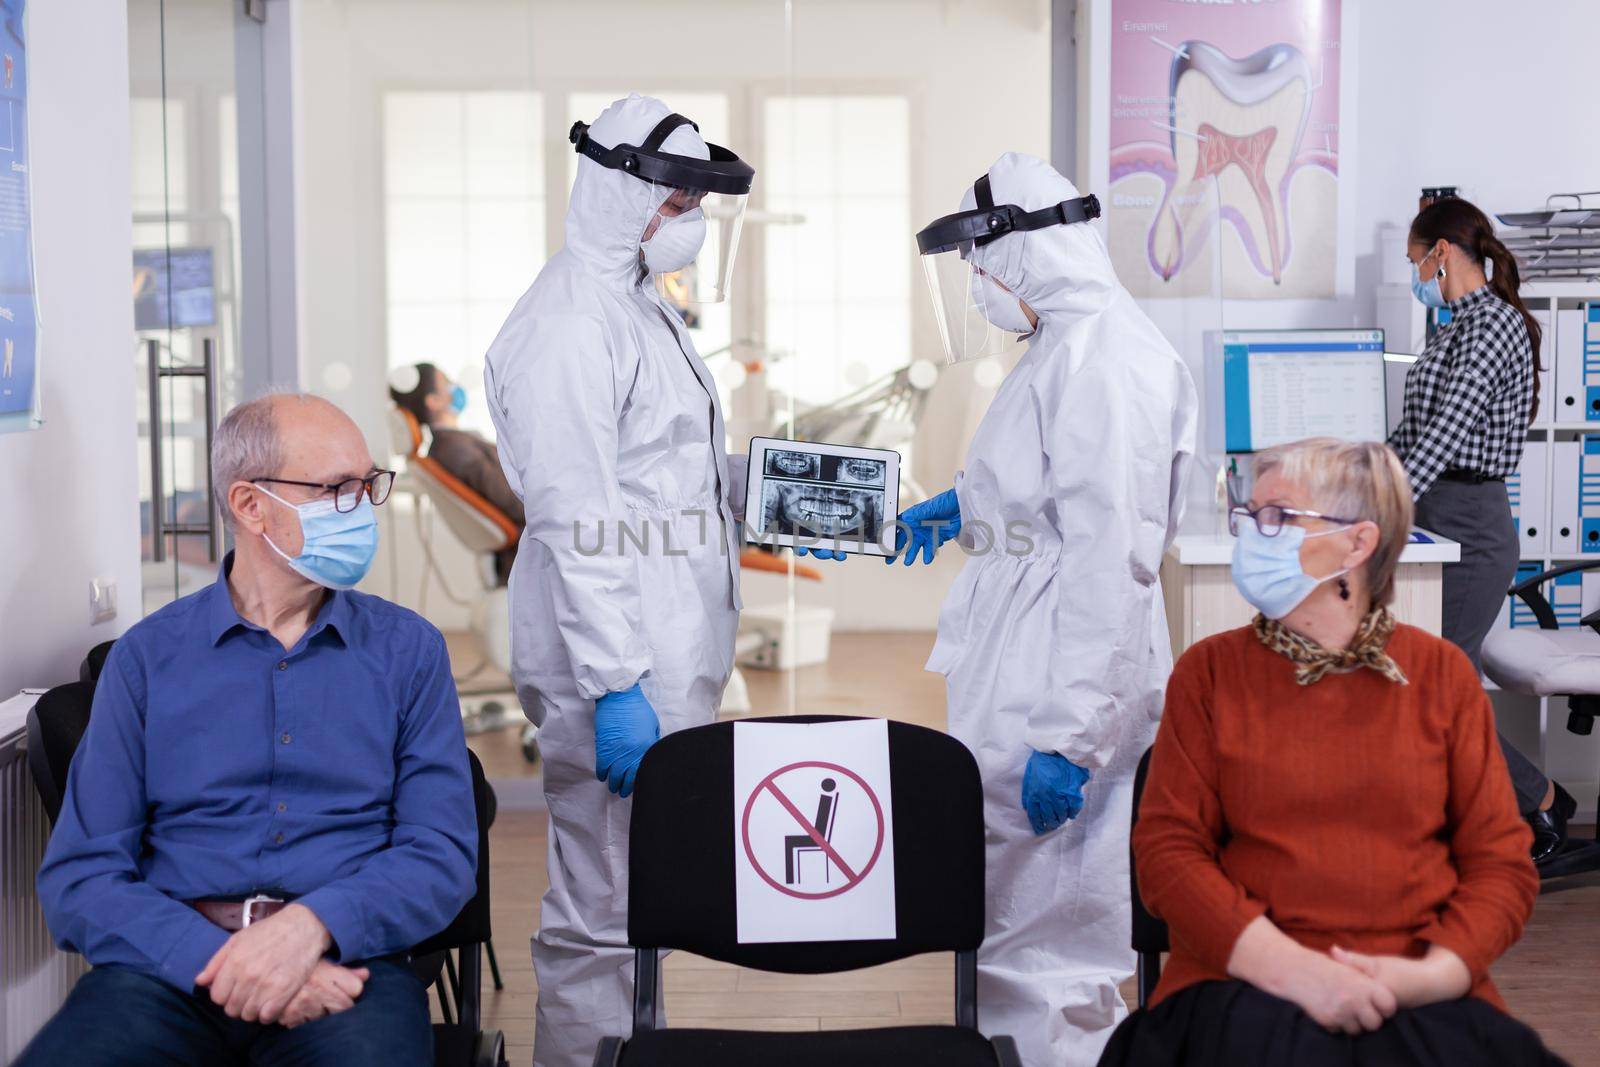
1580, 427
1574, 288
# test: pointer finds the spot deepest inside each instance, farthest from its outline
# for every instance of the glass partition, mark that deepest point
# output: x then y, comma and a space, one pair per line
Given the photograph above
444, 169
185, 270
1169, 242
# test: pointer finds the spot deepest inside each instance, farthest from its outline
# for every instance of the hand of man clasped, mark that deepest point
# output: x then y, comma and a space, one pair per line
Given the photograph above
272, 971
330, 989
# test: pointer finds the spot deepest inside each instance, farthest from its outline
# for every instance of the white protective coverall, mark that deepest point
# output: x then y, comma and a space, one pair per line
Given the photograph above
607, 417
1063, 647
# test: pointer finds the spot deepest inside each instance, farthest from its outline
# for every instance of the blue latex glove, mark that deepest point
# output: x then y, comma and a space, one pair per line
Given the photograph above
625, 725
932, 523
819, 553
1052, 790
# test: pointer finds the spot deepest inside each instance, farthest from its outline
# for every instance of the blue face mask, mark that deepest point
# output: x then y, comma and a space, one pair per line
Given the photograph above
458, 400
339, 547
1428, 292
1266, 570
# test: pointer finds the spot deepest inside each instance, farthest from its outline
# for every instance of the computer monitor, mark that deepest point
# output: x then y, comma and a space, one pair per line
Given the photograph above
173, 288
1274, 386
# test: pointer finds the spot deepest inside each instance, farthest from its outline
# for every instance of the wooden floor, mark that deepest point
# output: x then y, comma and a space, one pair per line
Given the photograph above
1549, 979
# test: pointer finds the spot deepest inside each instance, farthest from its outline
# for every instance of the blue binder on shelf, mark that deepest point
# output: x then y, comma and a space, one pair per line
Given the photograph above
1589, 496
1591, 361
1565, 593
1515, 613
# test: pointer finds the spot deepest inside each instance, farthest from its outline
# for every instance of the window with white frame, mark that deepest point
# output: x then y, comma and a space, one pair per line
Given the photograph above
159, 155
838, 284
464, 227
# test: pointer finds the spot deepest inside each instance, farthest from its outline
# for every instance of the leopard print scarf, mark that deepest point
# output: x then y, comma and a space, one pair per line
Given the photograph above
1312, 661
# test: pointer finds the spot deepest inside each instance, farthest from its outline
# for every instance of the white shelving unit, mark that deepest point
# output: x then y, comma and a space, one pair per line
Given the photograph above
1570, 759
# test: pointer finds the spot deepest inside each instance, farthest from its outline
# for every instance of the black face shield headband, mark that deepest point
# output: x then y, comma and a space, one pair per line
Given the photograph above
988, 222
724, 172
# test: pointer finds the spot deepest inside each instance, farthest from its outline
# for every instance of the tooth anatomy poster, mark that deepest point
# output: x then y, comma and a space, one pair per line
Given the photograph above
19, 320
1224, 148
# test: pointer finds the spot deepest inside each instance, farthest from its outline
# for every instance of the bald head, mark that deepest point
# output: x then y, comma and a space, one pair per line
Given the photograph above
295, 436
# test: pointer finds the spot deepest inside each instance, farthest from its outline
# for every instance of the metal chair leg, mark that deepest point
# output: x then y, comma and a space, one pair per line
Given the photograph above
444, 1001
455, 982
494, 965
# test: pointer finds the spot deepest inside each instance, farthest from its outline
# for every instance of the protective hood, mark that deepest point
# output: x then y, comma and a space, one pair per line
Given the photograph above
1062, 272
609, 209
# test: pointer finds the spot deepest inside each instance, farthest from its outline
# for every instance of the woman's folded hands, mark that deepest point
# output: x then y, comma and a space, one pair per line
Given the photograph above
1438, 975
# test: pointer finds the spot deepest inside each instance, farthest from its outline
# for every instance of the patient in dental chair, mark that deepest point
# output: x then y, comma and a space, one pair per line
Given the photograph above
436, 402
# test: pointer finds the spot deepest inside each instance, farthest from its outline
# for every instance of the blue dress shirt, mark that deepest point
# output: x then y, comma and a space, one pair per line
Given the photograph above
218, 765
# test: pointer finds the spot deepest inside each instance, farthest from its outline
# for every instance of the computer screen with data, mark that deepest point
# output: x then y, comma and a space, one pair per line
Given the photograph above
1284, 385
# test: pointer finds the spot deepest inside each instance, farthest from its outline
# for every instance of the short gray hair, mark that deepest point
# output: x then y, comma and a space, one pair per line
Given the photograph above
1357, 480
246, 447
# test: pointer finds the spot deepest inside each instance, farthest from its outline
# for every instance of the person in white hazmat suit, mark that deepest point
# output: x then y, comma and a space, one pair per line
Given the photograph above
624, 595
1053, 639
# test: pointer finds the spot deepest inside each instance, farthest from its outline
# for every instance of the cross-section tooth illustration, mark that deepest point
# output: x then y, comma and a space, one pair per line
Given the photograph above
1240, 122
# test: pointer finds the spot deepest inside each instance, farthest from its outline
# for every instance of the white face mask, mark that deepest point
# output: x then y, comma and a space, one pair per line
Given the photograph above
676, 242
1000, 307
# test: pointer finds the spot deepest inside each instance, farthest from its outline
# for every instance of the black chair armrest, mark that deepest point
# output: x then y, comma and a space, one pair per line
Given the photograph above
609, 1052
1529, 591
1005, 1052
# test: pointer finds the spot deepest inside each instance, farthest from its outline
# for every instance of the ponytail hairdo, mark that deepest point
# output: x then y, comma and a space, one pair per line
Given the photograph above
1463, 225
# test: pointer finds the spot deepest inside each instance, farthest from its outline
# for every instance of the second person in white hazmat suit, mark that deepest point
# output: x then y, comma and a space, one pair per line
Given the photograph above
624, 596
1053, 639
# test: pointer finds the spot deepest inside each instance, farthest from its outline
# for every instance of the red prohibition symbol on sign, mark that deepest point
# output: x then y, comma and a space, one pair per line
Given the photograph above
769, 785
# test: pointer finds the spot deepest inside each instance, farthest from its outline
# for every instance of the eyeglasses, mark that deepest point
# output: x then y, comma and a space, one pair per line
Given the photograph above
347, 494
1270, 518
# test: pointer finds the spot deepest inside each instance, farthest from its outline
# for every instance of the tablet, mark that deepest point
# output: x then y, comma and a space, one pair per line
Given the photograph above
828, 496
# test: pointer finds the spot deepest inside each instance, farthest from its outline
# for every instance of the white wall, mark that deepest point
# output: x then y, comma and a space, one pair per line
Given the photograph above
977, 73
69, 491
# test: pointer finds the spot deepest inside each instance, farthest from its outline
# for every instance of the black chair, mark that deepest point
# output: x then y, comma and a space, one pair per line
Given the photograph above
89, 670
681, 895
56, 724
1150, 937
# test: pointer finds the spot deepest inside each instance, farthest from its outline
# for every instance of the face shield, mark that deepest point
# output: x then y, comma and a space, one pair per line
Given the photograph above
695, 210
976, 314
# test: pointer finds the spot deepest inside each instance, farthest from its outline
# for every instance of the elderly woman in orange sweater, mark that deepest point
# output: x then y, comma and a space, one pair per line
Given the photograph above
1327, 826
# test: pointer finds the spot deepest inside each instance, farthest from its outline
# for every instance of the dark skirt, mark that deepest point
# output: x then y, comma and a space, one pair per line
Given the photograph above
1234, 1023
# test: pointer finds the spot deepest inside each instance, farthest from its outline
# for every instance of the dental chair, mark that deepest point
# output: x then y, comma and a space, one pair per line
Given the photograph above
483, 530
1552, 662
881, 414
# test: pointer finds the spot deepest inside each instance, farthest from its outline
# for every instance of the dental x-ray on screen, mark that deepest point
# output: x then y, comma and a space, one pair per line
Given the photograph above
831, 496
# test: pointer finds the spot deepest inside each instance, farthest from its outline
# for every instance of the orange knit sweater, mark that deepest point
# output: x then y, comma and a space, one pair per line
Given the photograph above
1354, 811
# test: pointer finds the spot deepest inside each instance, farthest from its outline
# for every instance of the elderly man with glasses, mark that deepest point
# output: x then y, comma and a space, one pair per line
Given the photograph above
272, 803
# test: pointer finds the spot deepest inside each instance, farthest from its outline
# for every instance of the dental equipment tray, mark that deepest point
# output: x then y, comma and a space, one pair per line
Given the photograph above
813, 494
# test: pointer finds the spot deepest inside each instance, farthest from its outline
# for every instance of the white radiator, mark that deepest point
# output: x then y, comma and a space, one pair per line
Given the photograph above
35, 976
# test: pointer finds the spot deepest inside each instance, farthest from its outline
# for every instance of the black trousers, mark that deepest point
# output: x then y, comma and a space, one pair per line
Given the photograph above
1479, 517
1232, 1024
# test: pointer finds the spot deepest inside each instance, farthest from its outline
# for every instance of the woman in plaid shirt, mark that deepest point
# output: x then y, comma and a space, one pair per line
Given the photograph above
1468, 403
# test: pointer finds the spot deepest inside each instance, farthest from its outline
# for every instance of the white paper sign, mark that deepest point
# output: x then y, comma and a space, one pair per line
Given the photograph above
813, 831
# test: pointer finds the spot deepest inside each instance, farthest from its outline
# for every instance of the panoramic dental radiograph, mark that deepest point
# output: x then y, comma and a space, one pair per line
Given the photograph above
811, 495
